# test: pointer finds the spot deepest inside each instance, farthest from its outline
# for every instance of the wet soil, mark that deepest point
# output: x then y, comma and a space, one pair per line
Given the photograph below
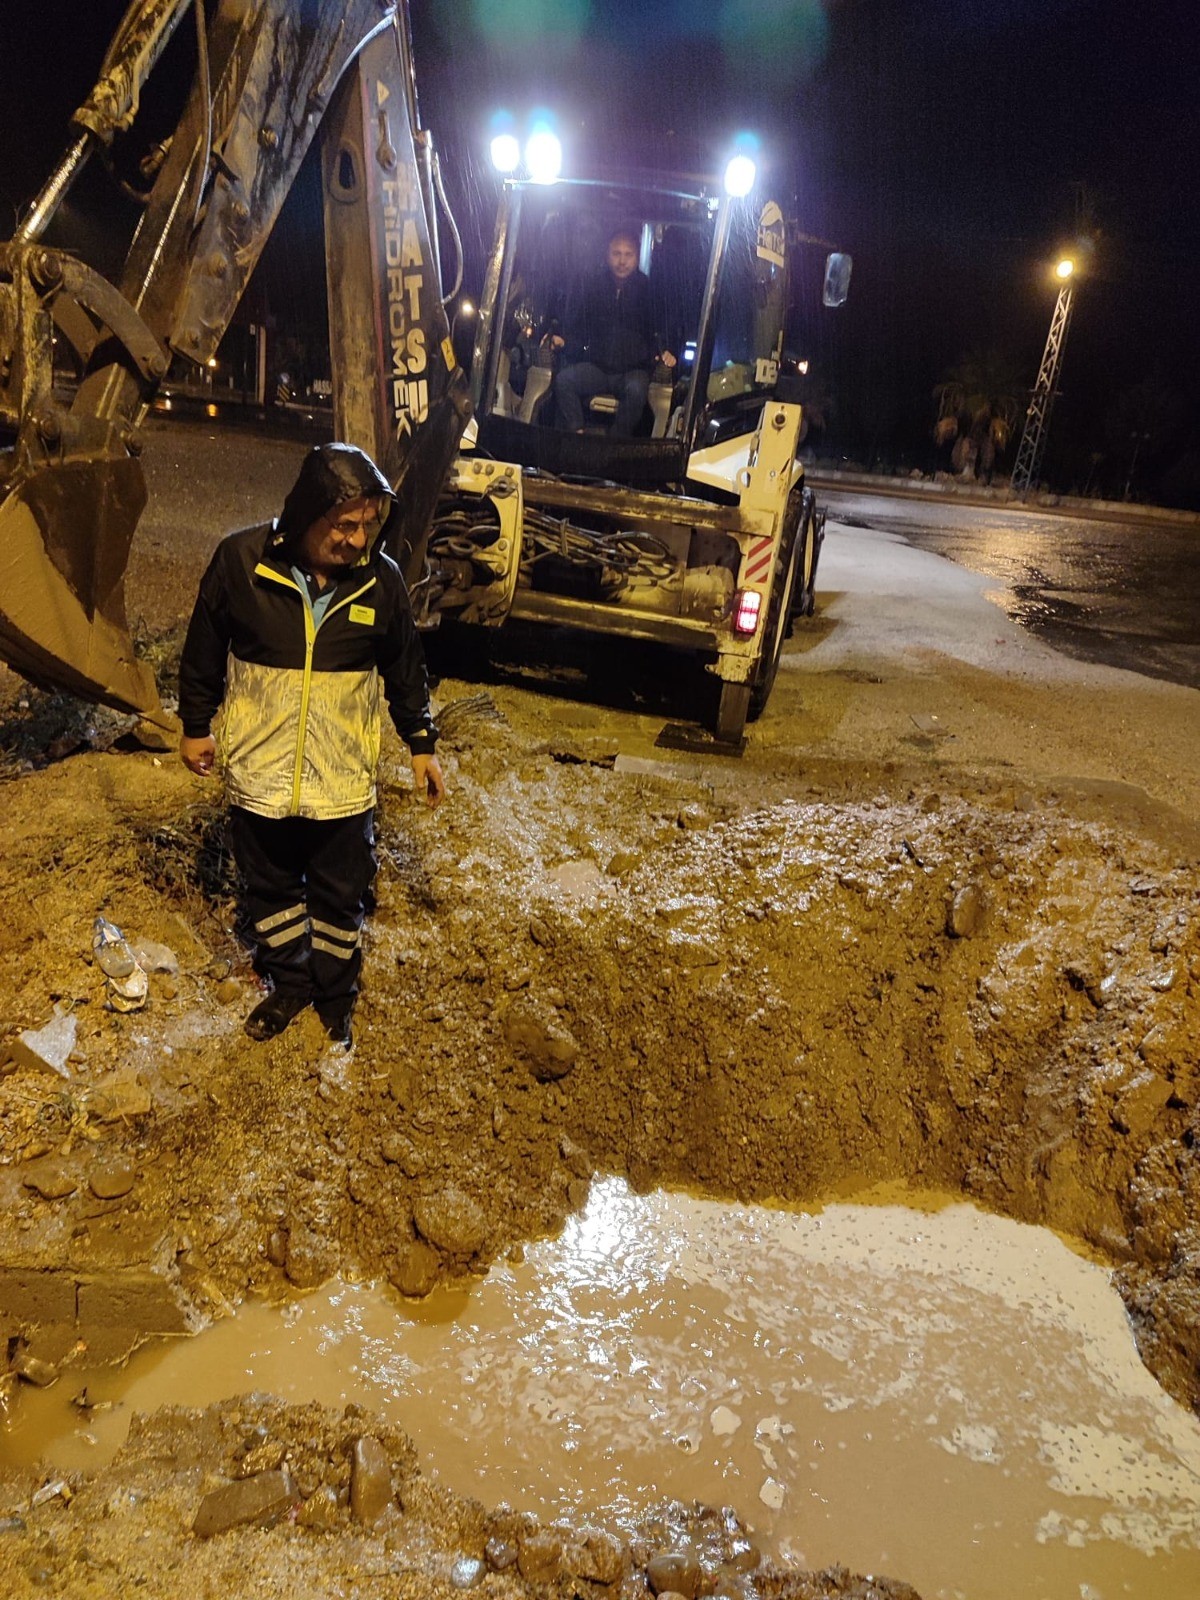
939, 924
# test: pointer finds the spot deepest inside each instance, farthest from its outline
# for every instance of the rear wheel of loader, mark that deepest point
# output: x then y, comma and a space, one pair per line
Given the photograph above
804, 596
778, 626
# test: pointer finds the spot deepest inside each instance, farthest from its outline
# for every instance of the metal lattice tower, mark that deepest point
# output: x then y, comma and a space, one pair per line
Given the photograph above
1037, 418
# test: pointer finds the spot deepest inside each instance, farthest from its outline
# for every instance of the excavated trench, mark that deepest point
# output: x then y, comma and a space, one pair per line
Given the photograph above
585, 969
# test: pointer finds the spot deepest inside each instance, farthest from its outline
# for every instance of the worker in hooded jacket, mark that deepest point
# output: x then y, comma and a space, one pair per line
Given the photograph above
297, 626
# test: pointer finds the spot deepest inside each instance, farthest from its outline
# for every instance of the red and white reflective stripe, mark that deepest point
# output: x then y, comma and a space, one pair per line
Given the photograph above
758, 560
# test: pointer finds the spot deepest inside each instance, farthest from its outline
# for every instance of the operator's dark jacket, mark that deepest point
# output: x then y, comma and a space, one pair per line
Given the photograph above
612, 324
299, 729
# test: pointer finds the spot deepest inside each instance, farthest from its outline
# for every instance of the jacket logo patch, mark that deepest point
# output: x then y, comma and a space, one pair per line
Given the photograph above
364, 614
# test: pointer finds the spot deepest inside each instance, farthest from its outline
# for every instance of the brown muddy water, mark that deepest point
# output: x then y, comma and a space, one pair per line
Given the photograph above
916, 1389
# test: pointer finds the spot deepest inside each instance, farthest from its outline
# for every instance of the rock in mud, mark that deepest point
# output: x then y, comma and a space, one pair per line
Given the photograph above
546, 1048
500, 1553
320, 1511
466, 1572
415, 1269
599, 1557
311, 1259
675, 1571
228, 990
50, 1178
623, 862
966, 912
258, 1502
120, 1095
370, 1481
540, 1556
452, 1222
112, 1179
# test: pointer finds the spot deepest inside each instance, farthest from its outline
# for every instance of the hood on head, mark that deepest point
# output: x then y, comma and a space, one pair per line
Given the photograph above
329, 474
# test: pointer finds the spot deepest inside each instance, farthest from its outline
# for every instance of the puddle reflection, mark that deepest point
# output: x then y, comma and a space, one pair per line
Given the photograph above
939, 1394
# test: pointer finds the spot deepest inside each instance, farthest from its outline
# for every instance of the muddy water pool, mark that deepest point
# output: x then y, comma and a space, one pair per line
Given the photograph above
917, 1389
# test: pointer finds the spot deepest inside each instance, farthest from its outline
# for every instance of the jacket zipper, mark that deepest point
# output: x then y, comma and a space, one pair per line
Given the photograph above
310, 639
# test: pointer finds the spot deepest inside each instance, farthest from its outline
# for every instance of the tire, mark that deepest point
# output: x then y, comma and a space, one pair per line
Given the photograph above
777, 626
811, 536
745, 702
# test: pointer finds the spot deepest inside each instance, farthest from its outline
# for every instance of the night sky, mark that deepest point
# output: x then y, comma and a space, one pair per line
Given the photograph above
953, 146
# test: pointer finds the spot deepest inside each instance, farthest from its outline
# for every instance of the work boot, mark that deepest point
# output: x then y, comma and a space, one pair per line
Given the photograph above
272, 1015
336, 1017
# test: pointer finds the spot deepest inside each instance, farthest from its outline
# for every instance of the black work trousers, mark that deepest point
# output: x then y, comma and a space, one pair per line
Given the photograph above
305, 886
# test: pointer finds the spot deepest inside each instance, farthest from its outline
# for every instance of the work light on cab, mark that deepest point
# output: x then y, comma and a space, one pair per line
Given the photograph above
739, 176
506, 152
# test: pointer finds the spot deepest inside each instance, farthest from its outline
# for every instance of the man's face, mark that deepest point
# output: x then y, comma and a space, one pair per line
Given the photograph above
622, 257
336, 540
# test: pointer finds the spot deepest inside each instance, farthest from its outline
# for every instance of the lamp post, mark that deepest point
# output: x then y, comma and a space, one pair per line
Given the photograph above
1037, 418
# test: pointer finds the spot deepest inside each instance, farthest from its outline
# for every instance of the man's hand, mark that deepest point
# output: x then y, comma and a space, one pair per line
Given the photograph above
198, 755
667, 358
429, 779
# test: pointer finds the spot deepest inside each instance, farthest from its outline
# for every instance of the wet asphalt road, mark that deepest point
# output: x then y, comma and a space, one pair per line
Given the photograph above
1121, 593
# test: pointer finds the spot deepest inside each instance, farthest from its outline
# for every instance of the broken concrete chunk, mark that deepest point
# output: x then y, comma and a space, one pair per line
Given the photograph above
370, 1481
45, 1049
258, 1502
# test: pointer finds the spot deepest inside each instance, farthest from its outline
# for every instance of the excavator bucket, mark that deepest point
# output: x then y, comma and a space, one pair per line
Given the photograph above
65, 533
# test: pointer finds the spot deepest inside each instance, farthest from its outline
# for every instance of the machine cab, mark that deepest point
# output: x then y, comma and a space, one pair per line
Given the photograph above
689, 338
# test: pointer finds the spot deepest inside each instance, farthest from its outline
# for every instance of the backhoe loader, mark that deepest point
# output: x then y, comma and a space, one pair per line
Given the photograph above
697, 530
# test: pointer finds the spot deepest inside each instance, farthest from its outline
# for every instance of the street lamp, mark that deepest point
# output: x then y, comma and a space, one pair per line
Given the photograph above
1037, 418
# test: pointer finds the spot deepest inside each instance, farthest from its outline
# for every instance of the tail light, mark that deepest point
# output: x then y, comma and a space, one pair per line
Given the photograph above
746, 605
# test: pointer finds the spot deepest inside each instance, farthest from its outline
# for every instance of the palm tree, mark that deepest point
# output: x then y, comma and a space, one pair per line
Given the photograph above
980, 402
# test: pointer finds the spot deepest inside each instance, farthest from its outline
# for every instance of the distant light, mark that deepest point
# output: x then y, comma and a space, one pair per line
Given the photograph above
466, 309
746, 605
739, 176
802, 368
543, 156
1065, 268
506, 152
211, 362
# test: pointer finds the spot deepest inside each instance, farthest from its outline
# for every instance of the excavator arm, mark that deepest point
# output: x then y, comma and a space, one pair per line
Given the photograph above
271, 75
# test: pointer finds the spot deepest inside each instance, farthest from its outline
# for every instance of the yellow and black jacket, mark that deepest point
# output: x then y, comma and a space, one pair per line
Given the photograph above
299, 726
